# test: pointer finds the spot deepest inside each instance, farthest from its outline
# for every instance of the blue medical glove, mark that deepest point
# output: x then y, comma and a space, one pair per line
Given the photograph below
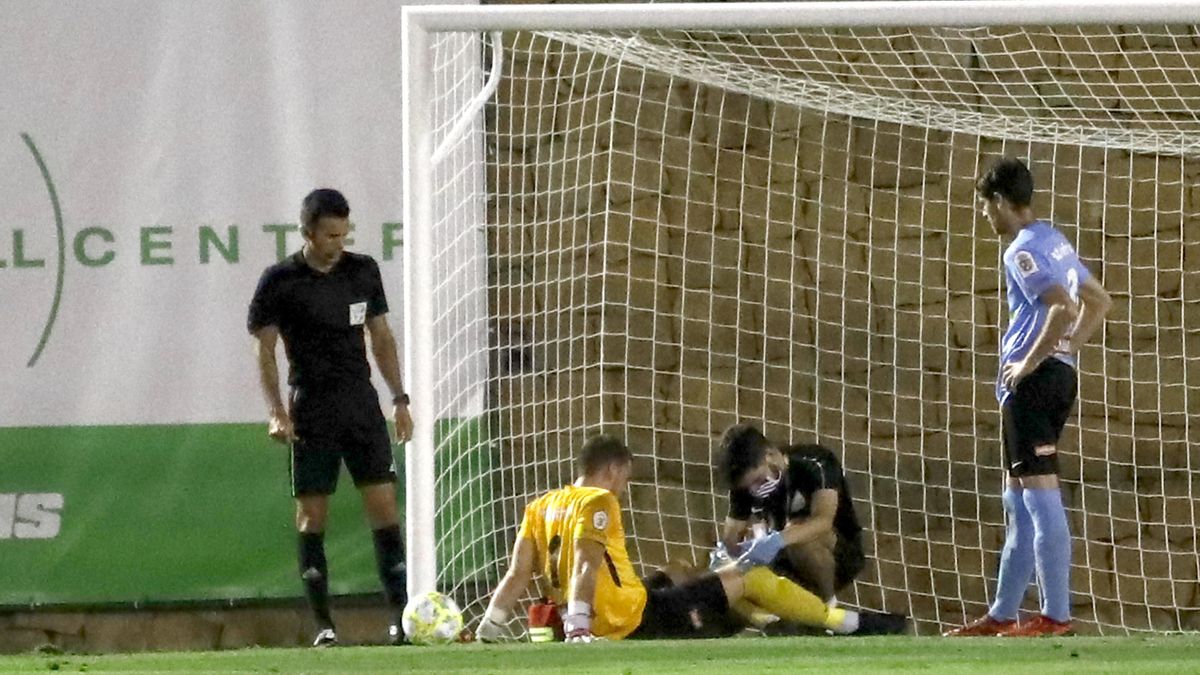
761, 551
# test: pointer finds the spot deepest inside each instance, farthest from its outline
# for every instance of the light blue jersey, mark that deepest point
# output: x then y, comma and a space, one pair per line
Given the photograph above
1039, 258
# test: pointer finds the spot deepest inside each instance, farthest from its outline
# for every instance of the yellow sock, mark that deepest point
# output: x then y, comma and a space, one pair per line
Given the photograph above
789, 601
751, 613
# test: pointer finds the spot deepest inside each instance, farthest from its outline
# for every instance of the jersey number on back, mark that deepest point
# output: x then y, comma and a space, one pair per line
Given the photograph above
1064, 345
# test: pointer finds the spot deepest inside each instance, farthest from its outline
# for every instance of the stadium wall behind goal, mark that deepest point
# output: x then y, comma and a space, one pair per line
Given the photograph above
155, 156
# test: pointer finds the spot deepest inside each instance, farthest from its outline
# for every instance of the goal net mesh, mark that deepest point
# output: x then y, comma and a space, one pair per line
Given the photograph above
686, 230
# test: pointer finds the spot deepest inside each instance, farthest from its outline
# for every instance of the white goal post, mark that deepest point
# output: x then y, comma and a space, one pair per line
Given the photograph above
660, 219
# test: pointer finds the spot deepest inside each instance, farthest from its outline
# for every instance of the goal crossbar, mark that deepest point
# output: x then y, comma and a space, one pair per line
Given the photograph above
759, 15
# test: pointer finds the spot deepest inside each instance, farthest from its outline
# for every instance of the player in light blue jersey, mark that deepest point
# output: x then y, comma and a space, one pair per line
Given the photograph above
1055, 306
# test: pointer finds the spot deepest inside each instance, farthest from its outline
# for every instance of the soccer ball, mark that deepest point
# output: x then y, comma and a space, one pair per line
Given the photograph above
431, 619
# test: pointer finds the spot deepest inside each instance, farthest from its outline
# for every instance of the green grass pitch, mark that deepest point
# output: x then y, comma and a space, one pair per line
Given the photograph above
836, 656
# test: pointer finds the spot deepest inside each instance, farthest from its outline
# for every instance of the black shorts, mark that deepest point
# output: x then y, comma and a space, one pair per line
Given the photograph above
1034, 416
848, 561
337, 425
696, 609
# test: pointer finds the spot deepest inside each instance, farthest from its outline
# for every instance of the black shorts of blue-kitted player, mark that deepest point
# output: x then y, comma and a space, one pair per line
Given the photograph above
1034, 416
698, 608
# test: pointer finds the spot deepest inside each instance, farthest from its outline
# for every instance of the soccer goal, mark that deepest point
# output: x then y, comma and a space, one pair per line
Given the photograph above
659, 220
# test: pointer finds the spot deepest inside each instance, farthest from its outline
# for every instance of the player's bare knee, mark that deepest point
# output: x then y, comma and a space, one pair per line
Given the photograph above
379, 502
379, 520
309, 523
311, 513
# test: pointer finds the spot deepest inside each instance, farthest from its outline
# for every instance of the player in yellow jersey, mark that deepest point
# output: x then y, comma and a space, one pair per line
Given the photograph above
573, 538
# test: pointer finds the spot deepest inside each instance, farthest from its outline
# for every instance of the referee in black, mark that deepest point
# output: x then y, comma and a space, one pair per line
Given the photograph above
319, 300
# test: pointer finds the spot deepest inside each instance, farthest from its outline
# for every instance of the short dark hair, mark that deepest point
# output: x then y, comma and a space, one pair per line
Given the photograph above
320, 203
601, 450
743, 448
1008, 178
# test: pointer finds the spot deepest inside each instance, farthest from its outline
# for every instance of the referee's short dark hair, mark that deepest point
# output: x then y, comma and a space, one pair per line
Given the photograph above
320, 203
1008, 178
743, 448
600, 451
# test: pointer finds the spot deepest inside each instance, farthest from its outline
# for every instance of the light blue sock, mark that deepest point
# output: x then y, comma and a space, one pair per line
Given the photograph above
1016, 561
1052, 548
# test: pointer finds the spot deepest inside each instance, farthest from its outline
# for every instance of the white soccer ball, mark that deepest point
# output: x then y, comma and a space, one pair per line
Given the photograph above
432, 619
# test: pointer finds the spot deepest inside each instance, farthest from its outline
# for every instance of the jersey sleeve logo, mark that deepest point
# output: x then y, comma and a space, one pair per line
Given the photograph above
358, 313
1026, 265
600, 520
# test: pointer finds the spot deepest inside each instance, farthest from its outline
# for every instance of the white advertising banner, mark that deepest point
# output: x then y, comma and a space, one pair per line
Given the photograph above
155, 155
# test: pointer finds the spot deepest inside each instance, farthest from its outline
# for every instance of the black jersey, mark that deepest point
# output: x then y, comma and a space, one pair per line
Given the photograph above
810, 468
320, 316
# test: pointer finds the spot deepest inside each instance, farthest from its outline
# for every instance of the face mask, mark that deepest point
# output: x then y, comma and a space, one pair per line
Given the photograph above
768, 486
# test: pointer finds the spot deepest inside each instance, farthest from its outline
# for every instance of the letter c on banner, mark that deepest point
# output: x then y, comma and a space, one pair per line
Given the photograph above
81, 253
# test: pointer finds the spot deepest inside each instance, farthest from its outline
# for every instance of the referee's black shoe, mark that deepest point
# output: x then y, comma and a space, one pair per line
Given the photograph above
395, 636
326, 637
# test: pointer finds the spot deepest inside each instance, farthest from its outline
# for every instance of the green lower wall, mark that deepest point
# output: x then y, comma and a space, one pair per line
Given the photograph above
203, 512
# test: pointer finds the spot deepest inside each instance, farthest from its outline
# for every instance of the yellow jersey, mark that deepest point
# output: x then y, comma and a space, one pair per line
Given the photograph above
555, 521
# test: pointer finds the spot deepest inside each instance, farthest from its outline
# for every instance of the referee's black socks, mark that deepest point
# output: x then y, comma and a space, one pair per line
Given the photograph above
314, 572
389, 557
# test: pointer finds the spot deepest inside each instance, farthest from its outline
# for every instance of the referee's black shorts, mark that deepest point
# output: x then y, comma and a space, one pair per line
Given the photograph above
1034, 416
696, 609
336, 425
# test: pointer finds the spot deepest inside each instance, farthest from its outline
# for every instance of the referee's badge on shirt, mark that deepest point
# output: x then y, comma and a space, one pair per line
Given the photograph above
358, 313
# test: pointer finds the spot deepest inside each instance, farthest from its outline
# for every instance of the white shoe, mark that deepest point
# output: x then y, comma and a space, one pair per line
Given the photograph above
325, 638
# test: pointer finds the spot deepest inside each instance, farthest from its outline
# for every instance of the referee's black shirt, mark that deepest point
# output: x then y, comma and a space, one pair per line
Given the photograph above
321, 317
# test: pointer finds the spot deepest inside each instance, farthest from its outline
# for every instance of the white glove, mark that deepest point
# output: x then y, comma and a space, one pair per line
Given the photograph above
719, 557
492, 627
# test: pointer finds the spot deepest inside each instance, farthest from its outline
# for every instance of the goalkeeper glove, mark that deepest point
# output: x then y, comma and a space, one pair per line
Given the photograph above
719, 557
761, 551
491, 627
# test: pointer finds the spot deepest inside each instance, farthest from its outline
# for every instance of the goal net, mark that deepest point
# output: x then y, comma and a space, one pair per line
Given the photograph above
678, 230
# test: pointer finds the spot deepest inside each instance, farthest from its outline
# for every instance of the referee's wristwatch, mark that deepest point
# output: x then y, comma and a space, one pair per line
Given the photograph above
402, 398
